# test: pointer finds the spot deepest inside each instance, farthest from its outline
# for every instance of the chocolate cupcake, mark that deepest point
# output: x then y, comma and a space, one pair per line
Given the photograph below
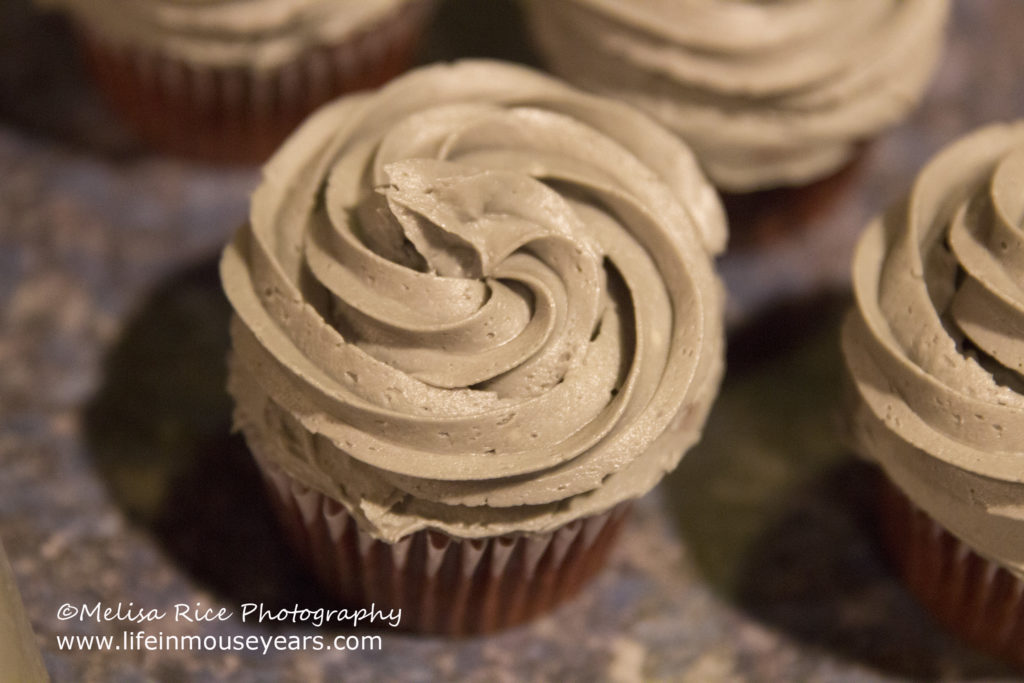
935, 353
476, 316
766, 93
227, 80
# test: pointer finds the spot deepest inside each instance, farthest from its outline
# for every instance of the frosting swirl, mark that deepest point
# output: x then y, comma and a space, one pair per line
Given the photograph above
935, 346
766, 92
476, 300
256, 34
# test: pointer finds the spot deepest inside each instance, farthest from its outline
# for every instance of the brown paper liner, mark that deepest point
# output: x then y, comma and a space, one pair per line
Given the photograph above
442, 584
762, 218
238, 115
974, 598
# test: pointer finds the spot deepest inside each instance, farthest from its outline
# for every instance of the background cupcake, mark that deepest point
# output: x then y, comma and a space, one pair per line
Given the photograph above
227, 80
476, 315
934, 351
775, 98
766, 93
18, 650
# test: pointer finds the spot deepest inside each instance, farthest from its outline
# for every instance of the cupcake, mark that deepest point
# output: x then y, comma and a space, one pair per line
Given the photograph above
935, 354
768, 93
227, 80
18, 651
475, 316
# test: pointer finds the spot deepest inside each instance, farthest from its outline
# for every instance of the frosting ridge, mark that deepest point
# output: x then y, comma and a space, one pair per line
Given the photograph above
476, 300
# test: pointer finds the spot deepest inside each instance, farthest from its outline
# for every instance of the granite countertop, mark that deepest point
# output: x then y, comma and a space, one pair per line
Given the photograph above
120, 482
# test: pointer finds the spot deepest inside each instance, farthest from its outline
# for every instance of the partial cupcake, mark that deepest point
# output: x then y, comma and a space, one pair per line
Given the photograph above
19, 654
228, 80
768, 93
935, 350
476, 316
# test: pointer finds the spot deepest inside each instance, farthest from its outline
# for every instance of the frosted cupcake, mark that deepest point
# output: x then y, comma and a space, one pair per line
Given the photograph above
935, 352
227, 80
766, 92
476, 315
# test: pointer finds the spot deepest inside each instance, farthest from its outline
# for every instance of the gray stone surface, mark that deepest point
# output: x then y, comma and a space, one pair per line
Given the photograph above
119, 482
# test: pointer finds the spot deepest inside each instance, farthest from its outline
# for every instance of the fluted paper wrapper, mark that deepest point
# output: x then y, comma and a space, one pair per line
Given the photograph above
241, 115
974, 598
442, 584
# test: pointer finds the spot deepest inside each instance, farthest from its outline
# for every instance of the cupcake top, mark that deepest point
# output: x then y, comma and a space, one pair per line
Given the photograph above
476, 300
767, 92
935, 346
257, 34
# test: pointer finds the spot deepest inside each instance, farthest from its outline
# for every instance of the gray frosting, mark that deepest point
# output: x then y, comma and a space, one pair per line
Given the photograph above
476, 300
766, 93
935, 347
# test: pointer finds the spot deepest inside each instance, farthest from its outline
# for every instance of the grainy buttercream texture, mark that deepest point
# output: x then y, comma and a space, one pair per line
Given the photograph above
477, 301
766, 93
935, 346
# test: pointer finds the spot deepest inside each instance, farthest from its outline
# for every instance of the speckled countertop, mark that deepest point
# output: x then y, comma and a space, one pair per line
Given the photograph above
119, 481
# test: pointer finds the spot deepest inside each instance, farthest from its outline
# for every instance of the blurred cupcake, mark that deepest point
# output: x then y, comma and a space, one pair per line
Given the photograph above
227, 80
767, 92
18, 651
935, 350
476, 315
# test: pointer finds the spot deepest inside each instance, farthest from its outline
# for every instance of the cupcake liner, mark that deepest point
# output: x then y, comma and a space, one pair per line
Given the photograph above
442, 584
761, 218
236, 114
974, 598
